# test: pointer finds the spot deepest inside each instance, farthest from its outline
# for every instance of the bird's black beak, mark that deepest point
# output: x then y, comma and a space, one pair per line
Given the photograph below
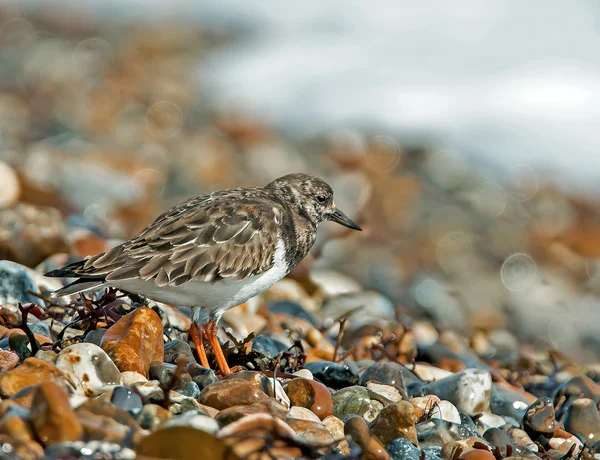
342, 219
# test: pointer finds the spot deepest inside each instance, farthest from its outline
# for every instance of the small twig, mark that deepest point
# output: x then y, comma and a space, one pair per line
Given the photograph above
338, 340
181, 362
25, 327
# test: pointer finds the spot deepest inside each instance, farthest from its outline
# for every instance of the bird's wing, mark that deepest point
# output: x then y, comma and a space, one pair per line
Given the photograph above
207, 238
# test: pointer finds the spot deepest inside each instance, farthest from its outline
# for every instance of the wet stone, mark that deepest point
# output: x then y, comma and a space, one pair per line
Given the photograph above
583, 419
95, 336
389, 373
265, 384
194, 419
201, 375
580, 386
467, 427
394, 421
372, 449
15, 282
497, 438
389, 393
127, 400
353, 400
191, 389
311, 395
437, 432
48, 356
403, 449
228, 393
266, 346
333, 375
311, 431
52, 417
135, 341
302, 413
266, 406
175, 348
30, 372
469, 390
539, 417
508, 403
8, 361
153, 415
519, 437
164, 372
88, 368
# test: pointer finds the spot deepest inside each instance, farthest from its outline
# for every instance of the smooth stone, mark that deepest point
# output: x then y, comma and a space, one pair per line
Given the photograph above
389, 373
469, 390
127, 400
48, 356
292, 309
372, 449
304, 374
334, 375
194, 419
265, 384
580, 386
164, 372
150, 392
129, 378
135, 341
477, 454
302, 413
152, 416
519, 437
88, 368
201, 375
437, 432
15, 282
102, 427
8, 361
467, 427
311, 431
488, 420
17, 427
191, 389
312, 395
353, 400
583, 419
389, 393
230, 392
176, 348
90, 449
403, 449
31, 372
445, 410
266, 346
395, 421
508, 403
430, 373
425, 406
52, 417
496, 437
266, 406
95, 336
566, 443
335, 427
539, 417
40, 328
255, 433
183, 443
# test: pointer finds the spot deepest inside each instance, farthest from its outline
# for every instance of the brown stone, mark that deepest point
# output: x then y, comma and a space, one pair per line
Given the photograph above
266, 406
31, 372
52, 417
24, 397
103, 428
42, 339
372, 449
184, 443
16, 428
8, 361
229, 393
135, 341
395, 421
23, 450
312, 432
477, 454
152, 416
311, 394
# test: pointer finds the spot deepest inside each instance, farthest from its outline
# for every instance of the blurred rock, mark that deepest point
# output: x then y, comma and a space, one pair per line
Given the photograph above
31, 372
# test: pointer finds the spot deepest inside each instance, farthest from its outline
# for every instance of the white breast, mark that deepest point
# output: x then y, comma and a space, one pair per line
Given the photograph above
221, 295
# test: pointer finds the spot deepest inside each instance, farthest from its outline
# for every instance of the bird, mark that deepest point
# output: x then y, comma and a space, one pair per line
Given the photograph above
214, 251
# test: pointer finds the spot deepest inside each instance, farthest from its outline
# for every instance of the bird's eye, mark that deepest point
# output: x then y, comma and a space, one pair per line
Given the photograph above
322, 198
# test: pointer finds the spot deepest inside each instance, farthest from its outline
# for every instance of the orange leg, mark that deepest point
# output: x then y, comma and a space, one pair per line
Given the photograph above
211, 336
196, 334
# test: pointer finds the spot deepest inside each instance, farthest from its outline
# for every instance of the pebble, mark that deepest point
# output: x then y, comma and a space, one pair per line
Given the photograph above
266, 346
334, 375
469, 390
183, 443
88, 369
394, 421
202, 376
389, 393
194, 419
52, 417
353, 400
583, 419
152, 416
175, 348
265, 406
164, 372
311, 431
539, 418
8, 361
312, 395
135, 341
90, 449
31, 371
15, 282
372, 449
231, 392
265, 384
389, 373
123, 398
302, 413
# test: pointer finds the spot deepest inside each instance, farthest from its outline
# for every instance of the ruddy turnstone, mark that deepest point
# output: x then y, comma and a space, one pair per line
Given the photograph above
215, 251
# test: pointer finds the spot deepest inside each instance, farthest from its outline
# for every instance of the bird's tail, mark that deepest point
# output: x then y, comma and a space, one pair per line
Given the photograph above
81, 285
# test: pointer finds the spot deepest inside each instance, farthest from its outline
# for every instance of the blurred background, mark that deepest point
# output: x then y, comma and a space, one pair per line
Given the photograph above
463, 136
